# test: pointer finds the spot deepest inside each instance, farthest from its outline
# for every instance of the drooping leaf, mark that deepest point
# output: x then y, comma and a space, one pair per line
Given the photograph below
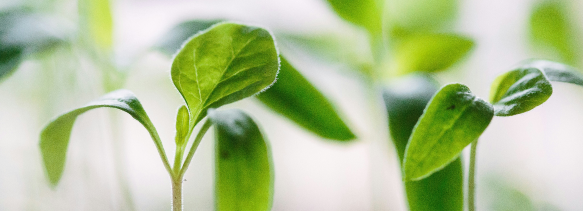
244, 168
173, 39
96, 18
364, 13
557, 72
430, 52
223, 64
405, 101
421, 15
54, 138
453, 119
550, 27
519, 90
295, 98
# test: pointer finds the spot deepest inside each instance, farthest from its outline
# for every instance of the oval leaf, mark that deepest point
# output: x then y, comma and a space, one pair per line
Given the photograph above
295, 98
173, 39
430, 52
244, 172
519, 91
557, 72
226, 63
364, 13
405, 101
54, 138
551, 27
453, 119
421, 15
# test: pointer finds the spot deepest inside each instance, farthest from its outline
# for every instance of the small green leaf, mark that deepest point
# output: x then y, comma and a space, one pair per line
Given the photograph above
365, 13
244, 169
519, 90
430, 52
557, 72
182, 128
173, 39
54, 138
550, 27
294, 97
405, 101
97, 20
453, 119
224, 64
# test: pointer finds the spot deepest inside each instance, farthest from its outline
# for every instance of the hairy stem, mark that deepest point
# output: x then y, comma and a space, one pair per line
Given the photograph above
176, 194
472, 178
194, 146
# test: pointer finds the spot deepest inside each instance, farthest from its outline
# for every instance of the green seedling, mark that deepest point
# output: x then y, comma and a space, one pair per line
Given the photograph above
455, 118
223, 64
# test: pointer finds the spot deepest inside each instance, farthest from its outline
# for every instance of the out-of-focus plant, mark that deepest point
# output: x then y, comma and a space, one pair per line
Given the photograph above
455, 118
224, 64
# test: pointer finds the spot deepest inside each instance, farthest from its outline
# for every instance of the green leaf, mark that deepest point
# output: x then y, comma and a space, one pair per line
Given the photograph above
182, 125
519, 90
405, 101
295, 98
223, 64
173, 39
550, 27
244, 168
364, 13
430, 52
558, 72
453, 119
54, 138
421, 15
96, 19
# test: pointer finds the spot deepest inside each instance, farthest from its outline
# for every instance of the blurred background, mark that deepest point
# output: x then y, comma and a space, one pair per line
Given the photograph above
78, 50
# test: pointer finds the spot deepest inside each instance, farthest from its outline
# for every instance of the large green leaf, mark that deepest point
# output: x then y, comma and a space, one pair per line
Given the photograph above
405, 101
557, 72
430, 52
223, 64
54, 138
550, 27
453, 119
519, 90
244, 172
173, 39
365, 13
421, 15
294, 97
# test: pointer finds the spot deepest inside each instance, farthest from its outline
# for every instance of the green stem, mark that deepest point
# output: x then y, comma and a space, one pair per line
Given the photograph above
177, 194
194, 146
472, 178
178, 159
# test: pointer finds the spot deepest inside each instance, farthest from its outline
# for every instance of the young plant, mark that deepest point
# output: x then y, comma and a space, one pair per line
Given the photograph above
221, 65
455, 117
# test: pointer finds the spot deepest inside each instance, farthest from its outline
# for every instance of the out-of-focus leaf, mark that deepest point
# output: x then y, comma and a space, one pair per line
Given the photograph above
405, 101
225, 63
295, 98
244, 168
420, 15
453, 119
557, 72
430, 52
173, 39
96, 18
550, 27
519, 90
9, 60
365, 13
54, 138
